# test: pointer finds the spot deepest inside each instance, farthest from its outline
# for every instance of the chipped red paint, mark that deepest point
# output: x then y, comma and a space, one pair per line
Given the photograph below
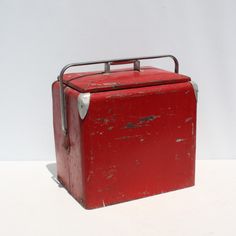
134, 142
120, 79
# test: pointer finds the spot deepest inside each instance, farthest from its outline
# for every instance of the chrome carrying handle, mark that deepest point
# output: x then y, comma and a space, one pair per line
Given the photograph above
135, 62
108, 63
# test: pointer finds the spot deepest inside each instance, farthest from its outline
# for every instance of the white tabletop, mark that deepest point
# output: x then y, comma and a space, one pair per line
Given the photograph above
32, 203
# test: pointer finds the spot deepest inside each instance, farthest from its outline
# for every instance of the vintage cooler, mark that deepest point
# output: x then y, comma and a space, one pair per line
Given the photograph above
124, 134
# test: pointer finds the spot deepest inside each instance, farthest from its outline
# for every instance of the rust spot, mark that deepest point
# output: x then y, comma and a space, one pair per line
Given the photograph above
178, 140
148, 118
110, 176
145, 193
110, 127
143, 121
130, 125
188, 119
89, 175
110, 172
103, 120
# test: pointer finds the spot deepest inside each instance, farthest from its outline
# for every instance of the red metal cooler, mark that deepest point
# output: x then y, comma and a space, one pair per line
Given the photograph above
124, 134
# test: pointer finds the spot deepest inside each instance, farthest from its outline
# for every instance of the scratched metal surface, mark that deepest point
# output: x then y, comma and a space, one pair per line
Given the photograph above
118, 79
133, 143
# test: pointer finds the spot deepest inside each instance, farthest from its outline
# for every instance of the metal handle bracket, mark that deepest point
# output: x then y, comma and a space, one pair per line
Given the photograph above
136, 64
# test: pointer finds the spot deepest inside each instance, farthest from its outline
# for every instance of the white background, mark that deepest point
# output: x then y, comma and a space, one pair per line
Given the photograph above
38, 37
32, 204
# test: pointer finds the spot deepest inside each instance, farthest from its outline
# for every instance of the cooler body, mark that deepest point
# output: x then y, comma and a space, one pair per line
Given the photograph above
133, 142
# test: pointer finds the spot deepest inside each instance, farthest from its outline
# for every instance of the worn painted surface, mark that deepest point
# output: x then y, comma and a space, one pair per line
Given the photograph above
132, 143
118, 79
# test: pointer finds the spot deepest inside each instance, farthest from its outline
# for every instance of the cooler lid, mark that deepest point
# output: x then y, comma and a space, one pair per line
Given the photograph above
121, 79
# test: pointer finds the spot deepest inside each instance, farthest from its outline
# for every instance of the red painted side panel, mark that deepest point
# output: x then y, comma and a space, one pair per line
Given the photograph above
132, 143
